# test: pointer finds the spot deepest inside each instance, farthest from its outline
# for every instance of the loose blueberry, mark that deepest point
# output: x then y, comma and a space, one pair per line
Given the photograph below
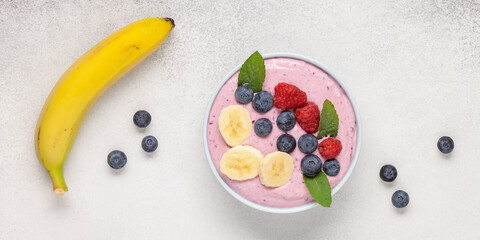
244, 94
388, 173
311, 165
116, 159
263, 127
331, 167
307, 143
286, 121
142, 118
445, 144
262, 102
400, 199
149, 143
286, 143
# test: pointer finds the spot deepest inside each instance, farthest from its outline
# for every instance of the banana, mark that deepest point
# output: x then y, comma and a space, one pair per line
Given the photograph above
235, 125
241, 162
84, 82
276, 169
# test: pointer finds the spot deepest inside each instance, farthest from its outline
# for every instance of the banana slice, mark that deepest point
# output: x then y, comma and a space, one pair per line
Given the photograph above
276, 169
235, 125
241, 162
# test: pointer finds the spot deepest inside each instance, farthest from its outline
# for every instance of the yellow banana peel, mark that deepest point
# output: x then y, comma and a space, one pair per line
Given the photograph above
84, 82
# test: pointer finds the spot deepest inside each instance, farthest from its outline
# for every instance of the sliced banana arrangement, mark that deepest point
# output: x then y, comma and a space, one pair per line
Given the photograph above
276, 169
241, 162
244, 162
235, 125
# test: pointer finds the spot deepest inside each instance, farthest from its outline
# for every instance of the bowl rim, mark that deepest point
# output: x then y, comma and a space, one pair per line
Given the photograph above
273, 209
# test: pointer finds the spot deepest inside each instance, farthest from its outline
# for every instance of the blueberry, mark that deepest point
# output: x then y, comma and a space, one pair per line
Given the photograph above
286, 143
331, 167
307, 143
445, 144
263, 127
116, 159
244, 94
388, 173
311, 165
142, 118
286, 121
400, 199
262, 102
149, 143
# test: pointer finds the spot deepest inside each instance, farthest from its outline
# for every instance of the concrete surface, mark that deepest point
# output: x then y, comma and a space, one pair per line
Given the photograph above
413, 67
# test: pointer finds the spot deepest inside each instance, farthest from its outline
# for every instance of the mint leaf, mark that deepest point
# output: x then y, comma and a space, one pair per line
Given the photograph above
328, 121
319, 188
253, 72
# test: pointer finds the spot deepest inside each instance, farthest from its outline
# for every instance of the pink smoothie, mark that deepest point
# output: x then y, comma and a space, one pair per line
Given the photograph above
319, 86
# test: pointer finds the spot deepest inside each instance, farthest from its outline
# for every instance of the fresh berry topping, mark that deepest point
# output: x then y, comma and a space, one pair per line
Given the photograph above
388, 173
149, 143
286, 143
331, 167
263, 127
244, 94
142, 118
311, 165
288, 96
286, 121
116, 159
400, 199
307, 143
308, 117
262, 102
330, 148
445, 144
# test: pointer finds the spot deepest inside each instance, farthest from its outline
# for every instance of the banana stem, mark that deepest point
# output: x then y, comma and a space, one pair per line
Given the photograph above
59, 186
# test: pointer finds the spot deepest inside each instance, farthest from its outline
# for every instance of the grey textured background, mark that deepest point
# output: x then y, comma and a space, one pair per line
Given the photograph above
412, 66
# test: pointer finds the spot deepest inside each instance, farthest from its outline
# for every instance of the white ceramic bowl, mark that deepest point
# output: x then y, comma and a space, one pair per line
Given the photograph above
291, 209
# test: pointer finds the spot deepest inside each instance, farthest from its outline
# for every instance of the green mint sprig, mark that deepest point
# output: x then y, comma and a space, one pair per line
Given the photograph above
328, 121
252, 72
319, 188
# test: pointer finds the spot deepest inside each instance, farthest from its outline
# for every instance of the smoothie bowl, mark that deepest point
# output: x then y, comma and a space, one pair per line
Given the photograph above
286, 192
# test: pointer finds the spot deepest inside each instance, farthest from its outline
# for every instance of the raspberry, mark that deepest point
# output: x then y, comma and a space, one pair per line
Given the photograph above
288, 96
308, 117
330, 148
